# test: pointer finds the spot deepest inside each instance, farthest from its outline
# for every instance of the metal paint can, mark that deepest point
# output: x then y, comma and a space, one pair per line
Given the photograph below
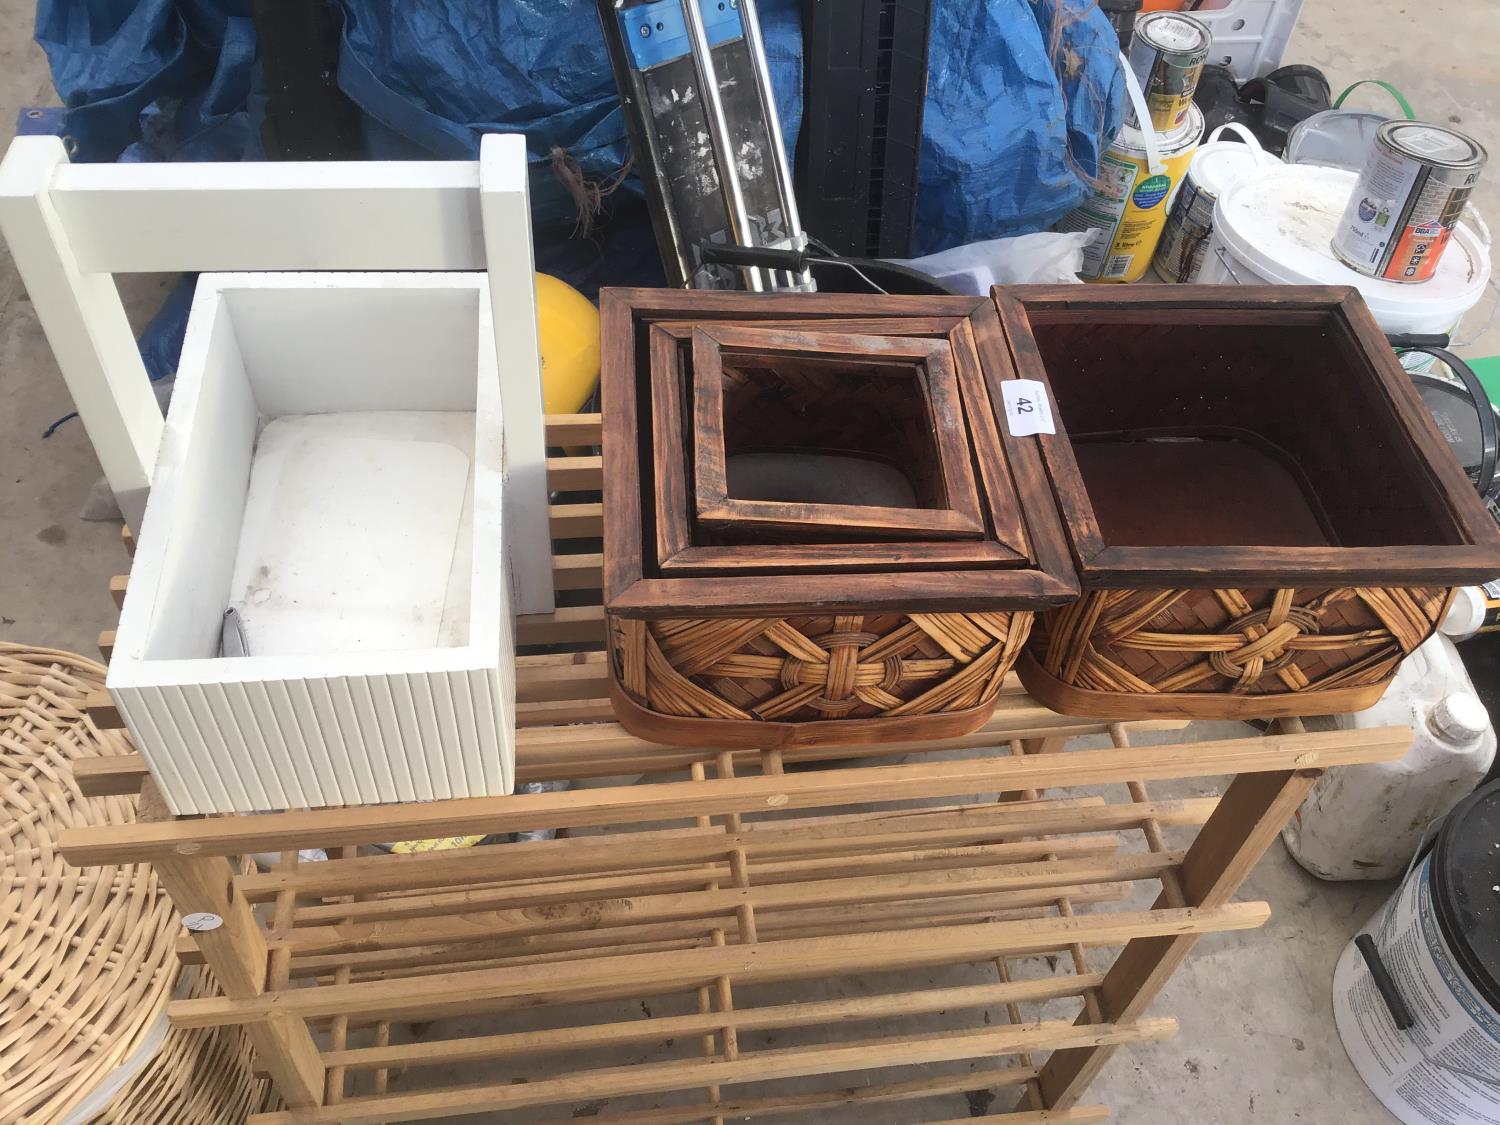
1214, 169
1408, 200
1128, 203
1167, 55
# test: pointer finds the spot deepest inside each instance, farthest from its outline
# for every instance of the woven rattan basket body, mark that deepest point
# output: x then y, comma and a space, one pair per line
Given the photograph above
1226, 653
1265, 519
780, 681
86, 956
737, 620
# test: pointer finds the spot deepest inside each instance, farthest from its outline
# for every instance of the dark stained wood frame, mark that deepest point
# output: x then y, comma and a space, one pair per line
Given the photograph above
1376, 373
676, 554
933, 364
636, 587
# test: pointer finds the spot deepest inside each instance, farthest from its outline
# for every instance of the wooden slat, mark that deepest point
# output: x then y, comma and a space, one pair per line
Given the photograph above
577, 572
1075, 1116
573, 429
565, 625
572, 675
553, 758
814, 789
630, 851
786, 1062
584, 762
593, 1037
574, 474
561, 711
912, 1089
117, 586
652, 973
412, 921
106, 644
112, 775
102, 711
576, 521
559, 753
472, 948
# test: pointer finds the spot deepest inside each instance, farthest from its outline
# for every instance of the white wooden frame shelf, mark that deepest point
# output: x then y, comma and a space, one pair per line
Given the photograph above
72, 227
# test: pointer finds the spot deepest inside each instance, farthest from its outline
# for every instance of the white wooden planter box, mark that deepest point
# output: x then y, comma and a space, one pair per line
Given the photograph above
331, 470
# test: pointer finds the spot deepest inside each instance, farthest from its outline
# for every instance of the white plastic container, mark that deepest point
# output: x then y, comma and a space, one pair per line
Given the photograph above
331, 470
1215, 168
1276, 227
1250, 36
1475, 610
1365, 822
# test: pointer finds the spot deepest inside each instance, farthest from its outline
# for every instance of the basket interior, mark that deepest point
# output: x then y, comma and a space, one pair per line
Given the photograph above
1269, 434
842, 430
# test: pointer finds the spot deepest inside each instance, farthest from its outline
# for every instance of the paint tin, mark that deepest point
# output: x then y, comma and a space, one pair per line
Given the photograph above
1190, 220
1276, 228
1409, 198
1128, 203
1424, 1030
1166, 56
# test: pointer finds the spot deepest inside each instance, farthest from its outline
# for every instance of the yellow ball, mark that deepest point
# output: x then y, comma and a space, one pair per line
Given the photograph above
568, 331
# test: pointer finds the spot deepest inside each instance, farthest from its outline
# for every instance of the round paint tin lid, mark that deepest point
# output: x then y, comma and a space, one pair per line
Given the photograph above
1173, 33
1435, 143
1465, 873
1131, 140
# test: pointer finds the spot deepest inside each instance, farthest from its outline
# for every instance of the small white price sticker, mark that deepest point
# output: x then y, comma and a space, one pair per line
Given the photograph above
201, 923
1028, 410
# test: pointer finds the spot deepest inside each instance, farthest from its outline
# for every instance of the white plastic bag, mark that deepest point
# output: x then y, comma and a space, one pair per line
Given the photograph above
1043, 258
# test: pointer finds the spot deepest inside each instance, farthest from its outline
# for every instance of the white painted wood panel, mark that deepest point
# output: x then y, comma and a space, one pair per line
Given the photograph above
85, 323
273, 215
506, 218
70, 227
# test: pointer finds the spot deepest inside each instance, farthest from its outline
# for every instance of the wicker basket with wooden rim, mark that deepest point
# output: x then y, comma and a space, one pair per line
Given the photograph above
1228, 652
87, 963
1266, 520
879, 582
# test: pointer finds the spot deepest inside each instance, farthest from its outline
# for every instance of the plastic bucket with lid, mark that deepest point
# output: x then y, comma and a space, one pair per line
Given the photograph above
1418, 1010
1216, 167
1276, 227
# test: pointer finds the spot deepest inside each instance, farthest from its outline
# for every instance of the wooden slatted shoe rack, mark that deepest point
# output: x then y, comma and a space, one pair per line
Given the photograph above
816, 934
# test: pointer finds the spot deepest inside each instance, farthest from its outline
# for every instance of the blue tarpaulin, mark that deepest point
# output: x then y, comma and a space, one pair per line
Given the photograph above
1021, 93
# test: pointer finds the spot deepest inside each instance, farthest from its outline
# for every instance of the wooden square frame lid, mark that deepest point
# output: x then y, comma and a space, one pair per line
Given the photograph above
649, 574
1345, 400
745, 377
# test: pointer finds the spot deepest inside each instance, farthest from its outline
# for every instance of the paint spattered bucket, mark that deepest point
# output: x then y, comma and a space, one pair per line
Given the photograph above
1276, 225
1214, 169
1129, 201
1418, 1008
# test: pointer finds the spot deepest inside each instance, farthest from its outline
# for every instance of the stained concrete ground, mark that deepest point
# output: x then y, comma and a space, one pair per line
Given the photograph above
1256, 1041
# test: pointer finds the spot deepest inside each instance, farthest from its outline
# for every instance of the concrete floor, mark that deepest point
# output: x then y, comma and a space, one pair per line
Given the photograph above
1257, 1042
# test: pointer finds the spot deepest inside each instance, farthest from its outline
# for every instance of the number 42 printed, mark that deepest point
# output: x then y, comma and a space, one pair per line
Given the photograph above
1028, 410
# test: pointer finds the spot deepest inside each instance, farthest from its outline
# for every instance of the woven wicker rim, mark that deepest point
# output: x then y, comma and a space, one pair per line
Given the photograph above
86, 958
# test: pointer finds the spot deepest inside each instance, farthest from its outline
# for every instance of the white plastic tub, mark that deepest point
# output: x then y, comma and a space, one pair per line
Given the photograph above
331, 471
1250, 36
1275, 227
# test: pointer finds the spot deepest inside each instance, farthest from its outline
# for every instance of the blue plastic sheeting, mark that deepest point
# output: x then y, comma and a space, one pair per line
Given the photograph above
1019, 96
152, 79
1007, 142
